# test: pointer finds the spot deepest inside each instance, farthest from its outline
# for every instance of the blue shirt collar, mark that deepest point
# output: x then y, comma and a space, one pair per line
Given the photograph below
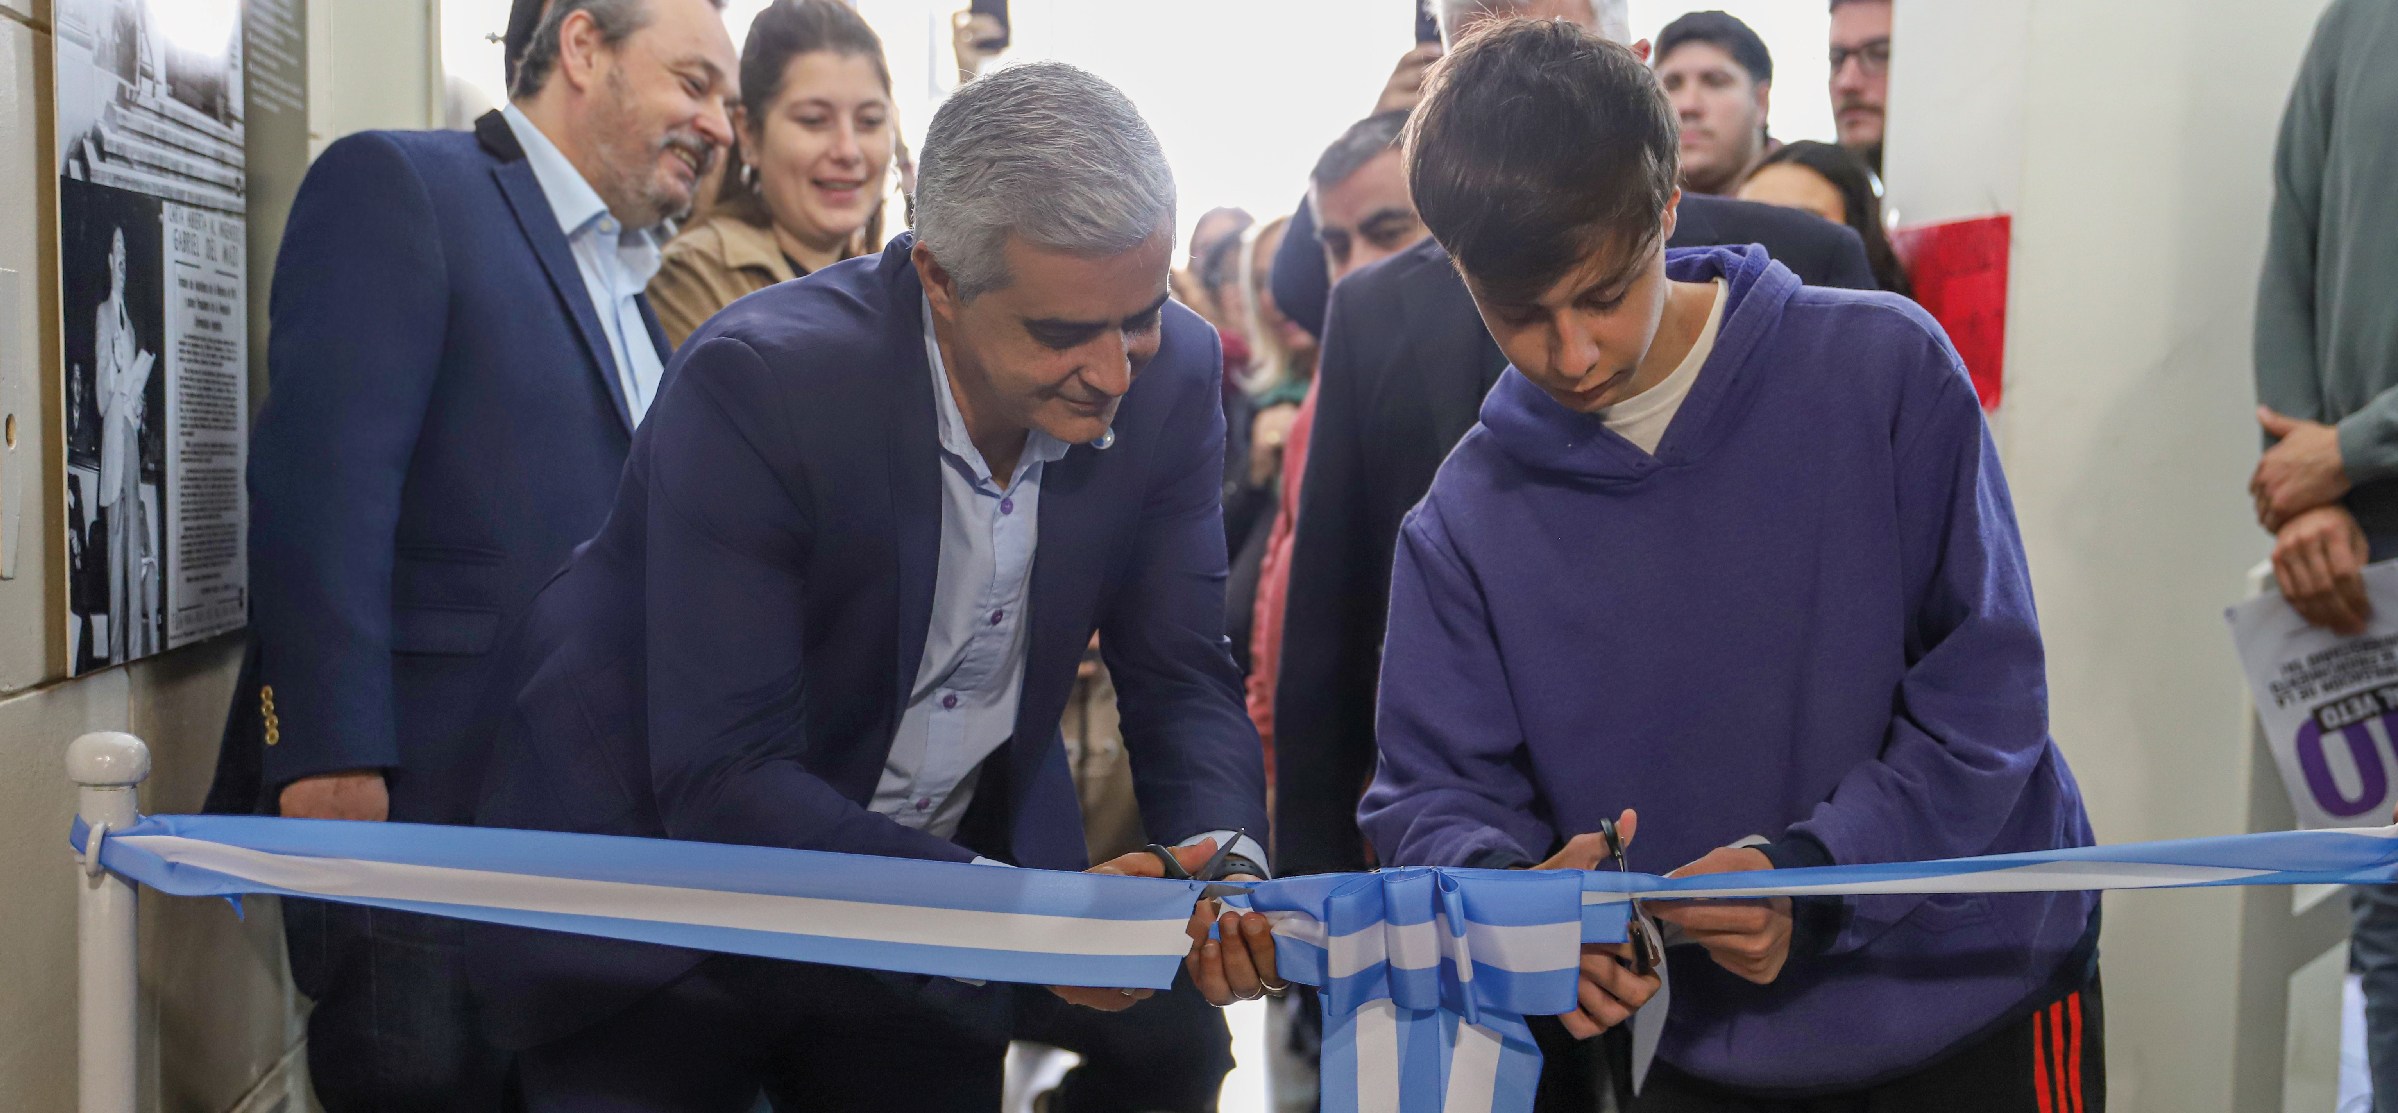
576, 205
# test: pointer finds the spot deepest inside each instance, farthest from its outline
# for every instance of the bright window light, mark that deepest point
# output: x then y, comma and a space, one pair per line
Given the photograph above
201, 26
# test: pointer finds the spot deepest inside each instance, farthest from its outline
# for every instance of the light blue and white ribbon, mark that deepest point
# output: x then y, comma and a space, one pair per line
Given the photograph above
964, 921
1426, 974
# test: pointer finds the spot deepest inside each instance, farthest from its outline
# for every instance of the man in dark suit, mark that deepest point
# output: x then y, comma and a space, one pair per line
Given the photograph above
856, 555
458, 355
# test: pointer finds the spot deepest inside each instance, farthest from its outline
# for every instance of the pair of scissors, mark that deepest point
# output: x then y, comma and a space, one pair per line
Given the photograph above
1172, 867
1645, 950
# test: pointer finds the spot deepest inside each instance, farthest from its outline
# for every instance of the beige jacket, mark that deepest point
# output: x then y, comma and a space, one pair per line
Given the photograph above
708, 266
1111, 818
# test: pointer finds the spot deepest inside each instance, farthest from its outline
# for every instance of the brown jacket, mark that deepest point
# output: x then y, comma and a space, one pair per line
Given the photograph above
708, 266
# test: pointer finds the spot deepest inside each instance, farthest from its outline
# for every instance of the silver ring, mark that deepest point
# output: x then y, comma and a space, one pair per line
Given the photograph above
1236, 995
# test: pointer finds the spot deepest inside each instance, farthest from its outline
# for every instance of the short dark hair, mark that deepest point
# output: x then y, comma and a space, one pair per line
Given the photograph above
1357, 146
523, 17
1860, 198
787, 29
616, 19
1538, 145
1724, 31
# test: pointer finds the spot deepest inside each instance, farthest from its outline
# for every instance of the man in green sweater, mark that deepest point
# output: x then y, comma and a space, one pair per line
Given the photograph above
2327, 383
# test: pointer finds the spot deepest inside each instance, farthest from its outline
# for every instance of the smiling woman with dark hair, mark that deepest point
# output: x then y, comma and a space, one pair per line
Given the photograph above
1833, 183
803, 187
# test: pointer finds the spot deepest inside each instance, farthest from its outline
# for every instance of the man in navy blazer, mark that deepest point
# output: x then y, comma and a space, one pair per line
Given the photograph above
858, 551
458, 355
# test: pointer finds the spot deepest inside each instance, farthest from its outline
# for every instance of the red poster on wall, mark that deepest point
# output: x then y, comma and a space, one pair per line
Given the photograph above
1959, 268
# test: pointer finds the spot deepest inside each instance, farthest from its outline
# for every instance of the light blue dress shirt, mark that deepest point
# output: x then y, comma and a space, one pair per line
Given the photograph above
963, 704
616, 263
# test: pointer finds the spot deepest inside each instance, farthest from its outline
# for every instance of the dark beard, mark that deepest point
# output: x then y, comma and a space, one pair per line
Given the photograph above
632, 177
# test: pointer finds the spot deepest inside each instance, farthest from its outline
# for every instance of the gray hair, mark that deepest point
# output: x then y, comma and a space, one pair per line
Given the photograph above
1357, 146
1047, 152
616, 20
1609, 19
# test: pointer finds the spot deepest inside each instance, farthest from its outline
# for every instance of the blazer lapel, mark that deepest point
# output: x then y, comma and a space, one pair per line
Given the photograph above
539, 222
915, 483
1078, 523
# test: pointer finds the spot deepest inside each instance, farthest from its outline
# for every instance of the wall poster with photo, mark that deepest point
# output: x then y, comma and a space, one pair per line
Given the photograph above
151, 200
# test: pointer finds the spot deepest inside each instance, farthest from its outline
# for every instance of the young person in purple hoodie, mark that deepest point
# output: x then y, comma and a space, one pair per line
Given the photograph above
1737, 553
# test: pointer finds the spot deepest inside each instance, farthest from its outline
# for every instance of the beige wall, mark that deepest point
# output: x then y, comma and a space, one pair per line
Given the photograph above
220, 1025
372, 64
2132, 141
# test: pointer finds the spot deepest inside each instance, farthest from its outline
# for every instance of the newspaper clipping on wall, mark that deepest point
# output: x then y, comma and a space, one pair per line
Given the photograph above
152, 241
2329, 704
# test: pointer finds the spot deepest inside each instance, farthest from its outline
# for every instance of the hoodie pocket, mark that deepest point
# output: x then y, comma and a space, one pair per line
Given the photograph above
1944, 913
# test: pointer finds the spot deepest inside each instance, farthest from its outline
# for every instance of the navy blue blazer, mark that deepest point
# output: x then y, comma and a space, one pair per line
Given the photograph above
443, 425
1406, 363
728, 660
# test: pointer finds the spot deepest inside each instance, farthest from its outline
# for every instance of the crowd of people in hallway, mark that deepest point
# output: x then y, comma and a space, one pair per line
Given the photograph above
678, 454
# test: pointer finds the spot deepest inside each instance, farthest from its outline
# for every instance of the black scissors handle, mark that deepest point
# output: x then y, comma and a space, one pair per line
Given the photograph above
1636, 929
1216, 890
1207, 870
1615, 842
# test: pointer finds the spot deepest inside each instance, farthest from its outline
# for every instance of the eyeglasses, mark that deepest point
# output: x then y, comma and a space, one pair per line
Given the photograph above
1873, 58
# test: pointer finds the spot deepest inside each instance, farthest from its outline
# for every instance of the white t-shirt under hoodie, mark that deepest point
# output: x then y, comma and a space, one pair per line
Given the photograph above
1642, 418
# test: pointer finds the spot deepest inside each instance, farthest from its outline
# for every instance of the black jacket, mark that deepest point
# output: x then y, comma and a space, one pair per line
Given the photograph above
1405, 364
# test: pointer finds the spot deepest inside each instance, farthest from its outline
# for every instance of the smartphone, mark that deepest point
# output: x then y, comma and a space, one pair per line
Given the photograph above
1427, 25
996, 9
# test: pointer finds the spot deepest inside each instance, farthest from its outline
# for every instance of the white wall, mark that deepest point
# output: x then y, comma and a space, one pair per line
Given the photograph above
2132, 139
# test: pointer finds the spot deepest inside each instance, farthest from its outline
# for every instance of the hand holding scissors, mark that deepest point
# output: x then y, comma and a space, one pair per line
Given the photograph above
1617, 978
1236, 963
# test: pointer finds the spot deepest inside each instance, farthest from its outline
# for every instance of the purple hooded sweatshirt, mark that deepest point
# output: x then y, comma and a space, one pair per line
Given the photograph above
1807, 617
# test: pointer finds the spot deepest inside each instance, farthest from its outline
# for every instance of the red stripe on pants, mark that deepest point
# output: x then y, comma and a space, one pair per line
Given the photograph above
2073, 1076
2056, 1049
2040, 1083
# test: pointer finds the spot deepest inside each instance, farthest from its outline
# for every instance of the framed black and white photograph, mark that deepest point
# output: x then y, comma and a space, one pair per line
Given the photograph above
153, 296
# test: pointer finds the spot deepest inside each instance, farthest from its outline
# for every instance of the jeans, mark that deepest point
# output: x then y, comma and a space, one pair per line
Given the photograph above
2373, 953
394, 1028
